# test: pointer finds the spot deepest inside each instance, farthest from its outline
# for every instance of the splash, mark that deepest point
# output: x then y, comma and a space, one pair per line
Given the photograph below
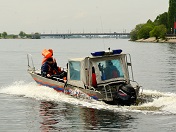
157, 102
151, 101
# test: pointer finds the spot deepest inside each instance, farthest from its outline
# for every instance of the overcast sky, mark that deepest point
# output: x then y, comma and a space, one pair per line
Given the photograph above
62, 16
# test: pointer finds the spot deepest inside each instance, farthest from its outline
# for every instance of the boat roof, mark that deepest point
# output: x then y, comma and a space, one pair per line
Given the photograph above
93, 57
101, 54
76, 59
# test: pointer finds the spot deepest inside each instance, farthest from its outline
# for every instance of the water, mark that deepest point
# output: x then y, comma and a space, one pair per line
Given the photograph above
25, 107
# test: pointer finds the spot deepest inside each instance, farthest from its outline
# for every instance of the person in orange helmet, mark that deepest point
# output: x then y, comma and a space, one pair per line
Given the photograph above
48, 68
56, 71
50, 56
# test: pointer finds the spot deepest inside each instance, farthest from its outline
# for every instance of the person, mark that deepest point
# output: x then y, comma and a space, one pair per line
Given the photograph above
111, 71
49, 68
50, 52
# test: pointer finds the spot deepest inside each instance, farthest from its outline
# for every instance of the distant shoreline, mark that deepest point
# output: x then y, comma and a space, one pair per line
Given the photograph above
154, 40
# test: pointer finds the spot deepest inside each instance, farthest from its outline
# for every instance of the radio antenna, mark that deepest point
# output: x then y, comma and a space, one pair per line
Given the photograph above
102, 31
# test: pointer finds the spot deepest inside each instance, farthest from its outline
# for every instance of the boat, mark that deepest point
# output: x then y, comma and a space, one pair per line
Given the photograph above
103, 76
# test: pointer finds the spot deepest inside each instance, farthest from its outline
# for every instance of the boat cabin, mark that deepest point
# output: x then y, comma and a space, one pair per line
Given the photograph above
101, 68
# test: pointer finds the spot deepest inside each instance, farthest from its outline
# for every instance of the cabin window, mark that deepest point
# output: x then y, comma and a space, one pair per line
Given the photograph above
74, 67
110, 69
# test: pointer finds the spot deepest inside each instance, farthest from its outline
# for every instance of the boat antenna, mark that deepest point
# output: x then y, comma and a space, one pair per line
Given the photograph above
102, 30
101, 24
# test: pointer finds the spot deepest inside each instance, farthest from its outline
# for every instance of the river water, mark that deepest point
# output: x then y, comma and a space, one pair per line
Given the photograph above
27, 107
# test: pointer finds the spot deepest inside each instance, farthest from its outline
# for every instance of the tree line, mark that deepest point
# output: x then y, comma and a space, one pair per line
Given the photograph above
21, 35
162, 25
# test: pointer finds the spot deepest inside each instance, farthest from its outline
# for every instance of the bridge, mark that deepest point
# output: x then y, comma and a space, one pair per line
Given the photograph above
84, 35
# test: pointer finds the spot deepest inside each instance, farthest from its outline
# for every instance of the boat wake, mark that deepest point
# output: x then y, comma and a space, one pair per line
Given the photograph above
150, 101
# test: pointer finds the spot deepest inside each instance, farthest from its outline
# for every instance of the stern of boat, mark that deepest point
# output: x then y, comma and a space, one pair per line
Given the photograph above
119, 93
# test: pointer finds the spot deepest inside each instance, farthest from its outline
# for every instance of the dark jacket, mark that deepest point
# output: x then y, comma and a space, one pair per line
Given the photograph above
49, 69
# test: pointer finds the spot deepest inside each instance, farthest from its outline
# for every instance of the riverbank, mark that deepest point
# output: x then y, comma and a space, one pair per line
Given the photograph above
154, 40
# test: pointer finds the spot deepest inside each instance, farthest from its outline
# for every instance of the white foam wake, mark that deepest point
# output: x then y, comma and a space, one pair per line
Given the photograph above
162, 103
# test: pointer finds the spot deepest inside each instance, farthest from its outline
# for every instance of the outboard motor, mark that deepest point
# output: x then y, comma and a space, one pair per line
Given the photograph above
126, 95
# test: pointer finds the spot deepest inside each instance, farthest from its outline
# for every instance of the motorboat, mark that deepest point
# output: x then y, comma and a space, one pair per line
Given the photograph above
104, 76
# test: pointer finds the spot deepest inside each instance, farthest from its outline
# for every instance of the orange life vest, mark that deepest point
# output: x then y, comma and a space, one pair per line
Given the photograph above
46, 53
44, 60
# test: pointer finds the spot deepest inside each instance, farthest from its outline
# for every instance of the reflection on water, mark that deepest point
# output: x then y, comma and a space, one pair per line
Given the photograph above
102, 120
171, 64
168, 68
65, 117
48, 115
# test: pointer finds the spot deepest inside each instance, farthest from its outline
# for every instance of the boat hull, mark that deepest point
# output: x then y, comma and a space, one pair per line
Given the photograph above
125, 95
61, 86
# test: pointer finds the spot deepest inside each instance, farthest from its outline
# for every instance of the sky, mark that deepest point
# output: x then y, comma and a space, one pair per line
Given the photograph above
63, 16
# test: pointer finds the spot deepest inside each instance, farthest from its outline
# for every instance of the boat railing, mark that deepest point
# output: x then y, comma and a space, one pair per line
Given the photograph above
90, 88
30, 62
106, 91
135, 85
129, 64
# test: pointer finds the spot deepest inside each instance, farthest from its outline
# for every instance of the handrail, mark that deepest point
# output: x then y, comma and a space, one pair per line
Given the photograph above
29, 57
130, 66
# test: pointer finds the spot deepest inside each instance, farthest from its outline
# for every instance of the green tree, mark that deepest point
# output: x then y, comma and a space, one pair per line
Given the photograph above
22, 34
28, 35
36, 36
162, 19
158, 32
142, 30
4, 35
134, 32
171, 15
145, 30
14, 36
150, 22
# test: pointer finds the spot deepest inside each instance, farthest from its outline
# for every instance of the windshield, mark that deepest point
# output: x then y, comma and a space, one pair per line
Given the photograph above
74, 70
110, 69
